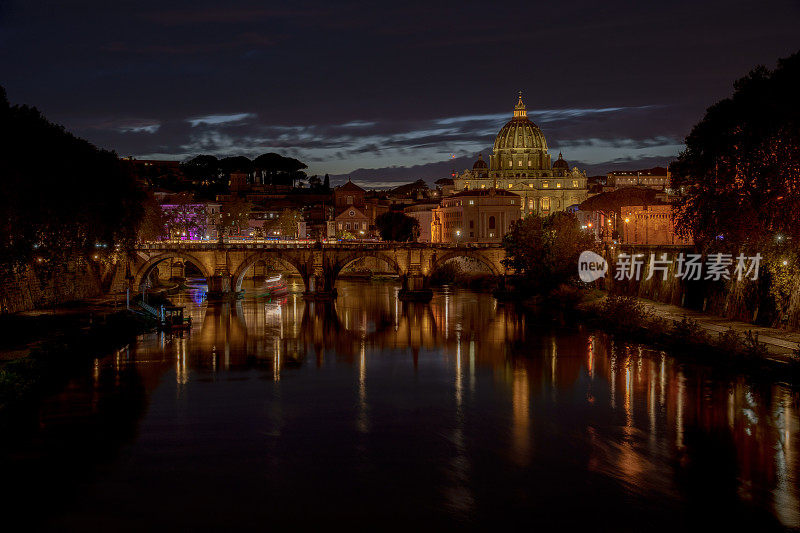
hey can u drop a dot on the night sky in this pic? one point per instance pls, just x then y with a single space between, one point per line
385 93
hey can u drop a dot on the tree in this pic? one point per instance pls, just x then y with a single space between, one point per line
60 196
207 177
738 176
235 164
396 226
181 216
201 168
234 218
287 223
154 221
545 250
314 183
326 184
279 170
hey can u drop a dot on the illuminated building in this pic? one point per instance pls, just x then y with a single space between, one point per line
650 224
520 163
475 215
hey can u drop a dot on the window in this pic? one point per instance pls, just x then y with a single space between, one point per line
347 226
510 163
530 162
352 213
519 163
491 223
545 204
349 200
510 185
574 183
545 184
530 204
512 202
558 185
483 185
471 224
340 225
472 202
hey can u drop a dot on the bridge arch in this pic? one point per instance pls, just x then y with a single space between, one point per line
144 271
344 261
238 276
439 260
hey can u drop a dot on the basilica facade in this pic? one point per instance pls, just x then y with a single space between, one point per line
520 163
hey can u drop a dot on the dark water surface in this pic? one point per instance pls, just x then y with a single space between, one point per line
278 414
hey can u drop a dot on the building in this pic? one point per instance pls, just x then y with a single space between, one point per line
446 186
423 213
352 223
520 163
348 195
366 204
475 215
649 224
654 178
190 220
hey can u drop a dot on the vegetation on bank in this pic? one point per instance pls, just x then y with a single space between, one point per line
626 315
54 360
736 186
543 251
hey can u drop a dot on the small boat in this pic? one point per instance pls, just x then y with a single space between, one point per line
274 287
174 319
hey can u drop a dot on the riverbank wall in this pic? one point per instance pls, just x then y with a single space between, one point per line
33 287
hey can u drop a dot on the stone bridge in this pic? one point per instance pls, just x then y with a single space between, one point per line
224 265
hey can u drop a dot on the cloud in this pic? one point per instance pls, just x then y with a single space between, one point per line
213 120
403 149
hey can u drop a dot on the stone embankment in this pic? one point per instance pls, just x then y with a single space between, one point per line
35 288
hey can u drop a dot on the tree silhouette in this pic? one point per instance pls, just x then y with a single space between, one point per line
739 177
396 226
60 196
545 250
279 170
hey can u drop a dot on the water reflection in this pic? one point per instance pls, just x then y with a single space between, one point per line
461 409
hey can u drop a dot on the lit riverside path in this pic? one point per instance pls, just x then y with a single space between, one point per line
781 344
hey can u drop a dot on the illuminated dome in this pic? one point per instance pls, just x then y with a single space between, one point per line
520 133
560 163
480 163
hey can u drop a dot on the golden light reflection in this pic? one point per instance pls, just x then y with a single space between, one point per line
654 402
362 422
520 402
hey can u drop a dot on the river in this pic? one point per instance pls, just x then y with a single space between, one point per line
372 412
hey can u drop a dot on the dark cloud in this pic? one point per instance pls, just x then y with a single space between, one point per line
384 90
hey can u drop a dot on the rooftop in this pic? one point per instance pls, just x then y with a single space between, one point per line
484 192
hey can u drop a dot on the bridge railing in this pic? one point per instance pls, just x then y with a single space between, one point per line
259 244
